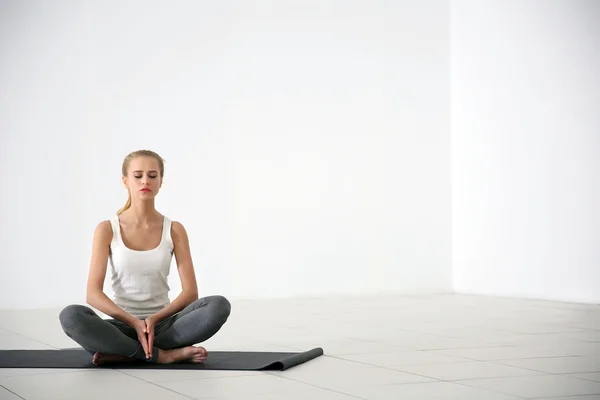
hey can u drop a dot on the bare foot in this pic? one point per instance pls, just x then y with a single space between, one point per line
100 358
188 354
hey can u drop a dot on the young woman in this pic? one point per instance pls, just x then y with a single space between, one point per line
139 244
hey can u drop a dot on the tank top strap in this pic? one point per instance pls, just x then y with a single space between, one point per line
116 227
166 234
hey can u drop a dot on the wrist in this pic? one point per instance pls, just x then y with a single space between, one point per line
130 320
153 318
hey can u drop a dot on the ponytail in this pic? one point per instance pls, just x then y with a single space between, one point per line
127 204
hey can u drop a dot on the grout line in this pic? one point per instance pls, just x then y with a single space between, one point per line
33 340
396 370
541 373
193 379
10 391
316 386
487 390
54 371
576 377
153 384
263 373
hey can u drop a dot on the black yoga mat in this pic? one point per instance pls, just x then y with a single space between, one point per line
217 360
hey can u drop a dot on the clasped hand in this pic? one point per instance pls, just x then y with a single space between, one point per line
145 332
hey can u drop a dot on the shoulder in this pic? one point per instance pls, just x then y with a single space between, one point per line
177 228
178 232
103 231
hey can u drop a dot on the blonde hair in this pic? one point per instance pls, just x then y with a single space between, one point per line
125 169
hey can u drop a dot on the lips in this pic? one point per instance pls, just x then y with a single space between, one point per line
145 190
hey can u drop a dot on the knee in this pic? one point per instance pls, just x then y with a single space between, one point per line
222 306
71 315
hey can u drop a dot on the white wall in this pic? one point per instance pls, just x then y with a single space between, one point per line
307 142
526 148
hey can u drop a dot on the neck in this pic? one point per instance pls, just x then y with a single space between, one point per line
142 212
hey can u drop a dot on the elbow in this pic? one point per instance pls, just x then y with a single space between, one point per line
90 297
192 295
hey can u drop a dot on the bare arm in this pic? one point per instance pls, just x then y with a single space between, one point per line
185 267
95 295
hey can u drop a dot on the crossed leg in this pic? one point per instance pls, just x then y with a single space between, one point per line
112 340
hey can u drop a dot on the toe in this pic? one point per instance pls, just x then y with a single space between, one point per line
201 351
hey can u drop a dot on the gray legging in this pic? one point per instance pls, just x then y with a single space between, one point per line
194 324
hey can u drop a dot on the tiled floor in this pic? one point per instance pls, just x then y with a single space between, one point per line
387 347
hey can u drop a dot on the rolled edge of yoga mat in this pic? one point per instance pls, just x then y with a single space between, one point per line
295 359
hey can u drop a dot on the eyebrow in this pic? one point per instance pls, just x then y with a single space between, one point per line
148 171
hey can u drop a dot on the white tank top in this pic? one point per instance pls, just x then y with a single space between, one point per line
140 277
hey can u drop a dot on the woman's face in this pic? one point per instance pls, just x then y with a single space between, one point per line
143 178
